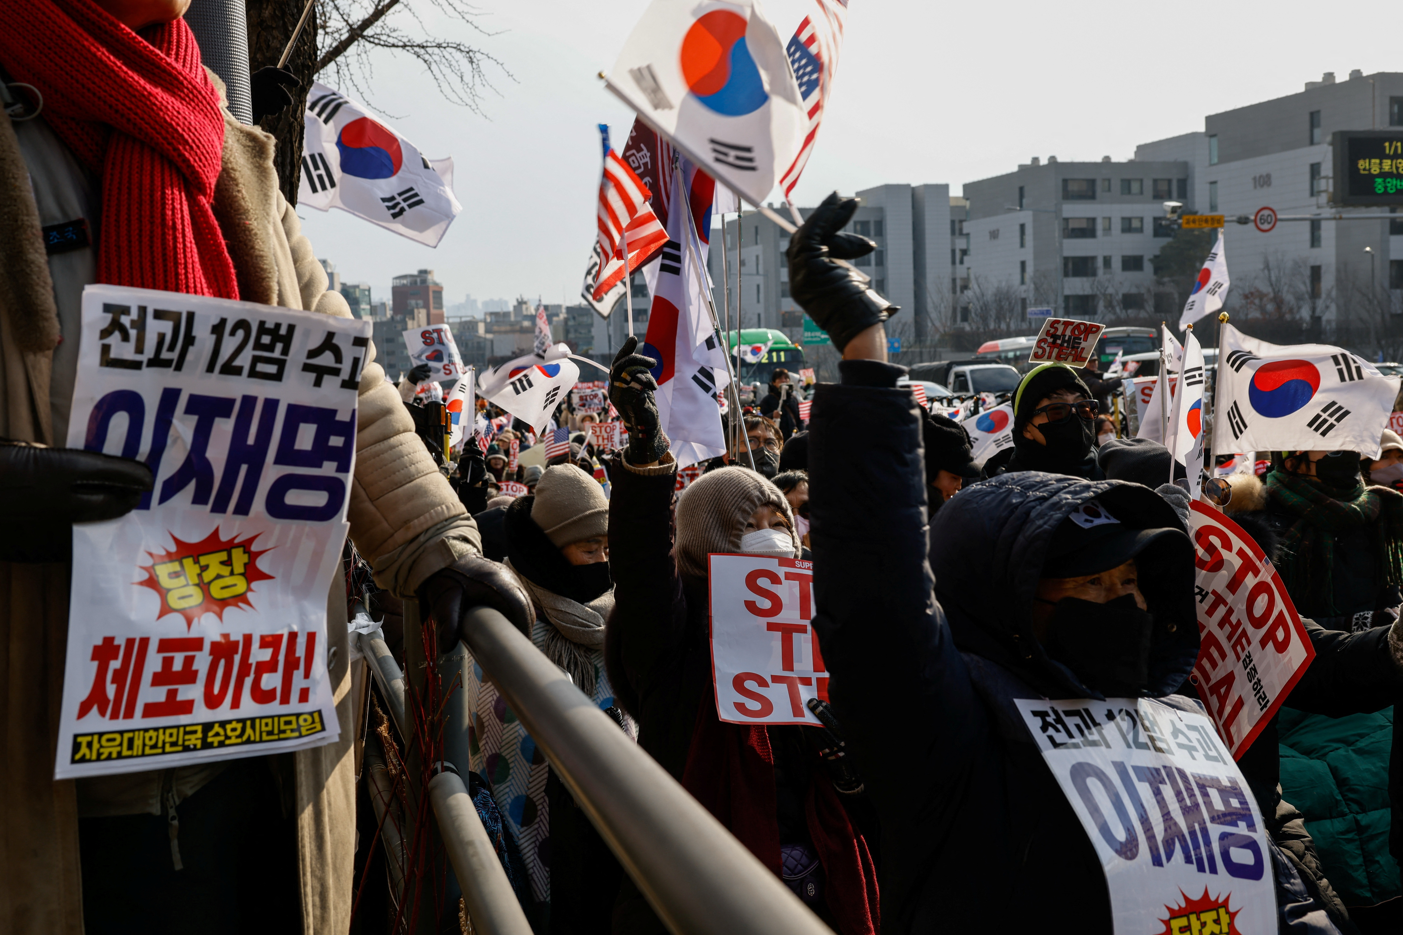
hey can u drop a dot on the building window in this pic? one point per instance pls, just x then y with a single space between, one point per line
1315 128
1106 186
757 293
1022 236
1106 264
953 290
1164 189
1395 228
1132 225
783 259
863 260
1212 196
1079 306
1132 264
1395 274
952 256
952 227
1079 228
791 319
1316 232
1023 272
1213 149
1314 177
1132 301
863 227
757 233
881 258
1105 227
1078 267
1162 228
1020 198
1079 189
963 253
1132 186
1315 280
877 227
1395 111
784 289
1181 189
882 286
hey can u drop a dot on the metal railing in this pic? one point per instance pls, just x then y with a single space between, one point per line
697 877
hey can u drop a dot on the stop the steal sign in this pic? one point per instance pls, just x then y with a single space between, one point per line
765 659
1066 341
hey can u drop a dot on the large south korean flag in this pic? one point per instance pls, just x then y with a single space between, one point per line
714 78
354 162
1300 397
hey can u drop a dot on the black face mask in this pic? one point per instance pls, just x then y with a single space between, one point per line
1106 645
1339 471
766 461
1068 444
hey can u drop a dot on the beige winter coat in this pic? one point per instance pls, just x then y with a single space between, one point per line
405 520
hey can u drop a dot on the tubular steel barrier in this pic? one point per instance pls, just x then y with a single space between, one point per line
492 905
698 878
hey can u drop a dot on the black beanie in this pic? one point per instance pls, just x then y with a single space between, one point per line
947 447
1041 382
795 456
1138 460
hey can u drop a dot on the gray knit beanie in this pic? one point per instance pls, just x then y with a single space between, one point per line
712 513
569 506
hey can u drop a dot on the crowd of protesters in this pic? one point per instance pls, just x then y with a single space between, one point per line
945 589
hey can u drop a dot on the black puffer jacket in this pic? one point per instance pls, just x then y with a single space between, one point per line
976 835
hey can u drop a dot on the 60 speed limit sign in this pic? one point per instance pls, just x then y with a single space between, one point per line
1265 219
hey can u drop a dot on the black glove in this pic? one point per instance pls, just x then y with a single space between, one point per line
44 491
473 581
835 294
271 89
419 374
832 749
631 389
472 465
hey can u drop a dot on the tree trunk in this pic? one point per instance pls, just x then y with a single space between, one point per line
270 26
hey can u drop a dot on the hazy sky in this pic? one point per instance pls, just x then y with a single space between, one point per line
925 92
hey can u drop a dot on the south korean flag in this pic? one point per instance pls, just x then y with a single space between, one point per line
1301 397
354 162
990 432
531 386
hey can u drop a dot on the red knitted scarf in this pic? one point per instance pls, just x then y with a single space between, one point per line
139 111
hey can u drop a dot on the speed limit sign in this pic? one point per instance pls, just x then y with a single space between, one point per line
1265 219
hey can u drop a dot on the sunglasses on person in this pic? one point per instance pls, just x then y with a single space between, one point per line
1085 410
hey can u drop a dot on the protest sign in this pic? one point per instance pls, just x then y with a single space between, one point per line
806 376
1065 341
1168 812
197 622
1254 647
686 475
765 659
513 454
511 488
435 346
606 436
1395 422
588 400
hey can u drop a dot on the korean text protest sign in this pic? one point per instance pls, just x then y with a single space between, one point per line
1065 341
1171 817
197 626
765 658
435 346
1255 648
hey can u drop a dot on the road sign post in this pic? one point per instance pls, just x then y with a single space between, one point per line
1201 221
1040 312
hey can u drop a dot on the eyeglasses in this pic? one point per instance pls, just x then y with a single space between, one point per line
771 443
1061 412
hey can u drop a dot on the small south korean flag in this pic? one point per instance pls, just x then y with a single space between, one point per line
531 386
990 432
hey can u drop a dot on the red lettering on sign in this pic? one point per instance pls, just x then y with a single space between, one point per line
265 667
1278 634
792 682
765 706
1212 647
752 582
1208 538
786 645
1248 564
1261 590
222 654
806 600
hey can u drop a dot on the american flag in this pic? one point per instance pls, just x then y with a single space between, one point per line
624 215
813 54
805 405
920 393
558 444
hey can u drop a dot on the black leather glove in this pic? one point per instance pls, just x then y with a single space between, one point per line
419 374
631 389
836 296
271 89
44 491
473 581
472 465
832 750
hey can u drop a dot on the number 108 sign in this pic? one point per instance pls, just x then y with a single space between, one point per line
765 657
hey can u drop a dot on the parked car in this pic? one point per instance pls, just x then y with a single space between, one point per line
973 375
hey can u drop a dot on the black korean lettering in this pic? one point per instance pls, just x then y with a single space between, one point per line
327 348
271 345
128 329
177 341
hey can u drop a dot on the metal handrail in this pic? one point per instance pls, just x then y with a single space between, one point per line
492 905
698 878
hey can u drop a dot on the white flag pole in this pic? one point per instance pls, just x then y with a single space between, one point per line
628 285
1163 386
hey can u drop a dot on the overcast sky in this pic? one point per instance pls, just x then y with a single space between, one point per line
925 92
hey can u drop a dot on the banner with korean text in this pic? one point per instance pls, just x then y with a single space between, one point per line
1171 817
1254 647
197 622
765 658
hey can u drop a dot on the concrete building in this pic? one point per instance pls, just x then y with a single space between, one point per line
418 290
388 334
357 296
914 263
1076 236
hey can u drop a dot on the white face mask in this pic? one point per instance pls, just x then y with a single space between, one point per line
1387 474
1102 439
803 525
773 541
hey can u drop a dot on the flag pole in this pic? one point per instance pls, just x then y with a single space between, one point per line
628 285
731 440
1163 387
296 33
1172 430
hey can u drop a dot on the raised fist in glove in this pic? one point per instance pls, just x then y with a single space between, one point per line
836 296
418 374
44 491
270 90
472 581
631 390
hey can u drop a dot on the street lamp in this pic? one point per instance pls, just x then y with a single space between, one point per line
1373 279
1057 229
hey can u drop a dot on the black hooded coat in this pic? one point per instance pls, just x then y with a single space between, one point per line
976 833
